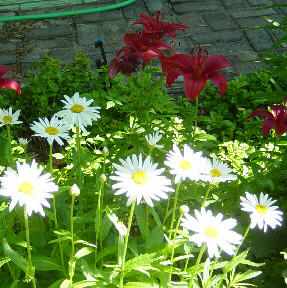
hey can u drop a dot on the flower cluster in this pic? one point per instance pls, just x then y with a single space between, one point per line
276 119
145 45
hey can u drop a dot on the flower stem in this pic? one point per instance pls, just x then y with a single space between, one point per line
99 221
146 226
79 160
126 244
29 248
235 253
174 208
54 208
195 120
11 160
196 265
172 249
72 263
206 195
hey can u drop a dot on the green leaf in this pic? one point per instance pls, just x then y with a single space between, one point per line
14 256
66 284
44 263
140 216
4 260
244 276
56 284
87 283
83 252
120 226
138 285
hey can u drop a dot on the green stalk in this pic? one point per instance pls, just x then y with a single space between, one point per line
146 225
235 253
172 249
11 160
196 265
99 221
28 245
174 208
167 205
71 262
212 268
126 245
206 195
78 145
54 208
195 120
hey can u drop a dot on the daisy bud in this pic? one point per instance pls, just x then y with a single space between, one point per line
23 141
184 209
103 178
105 151
75 191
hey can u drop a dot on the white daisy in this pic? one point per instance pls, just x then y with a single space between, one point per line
218 172
152 139
54 129
140 179
28 187
77 111
262 211
7 117
191 164
212 231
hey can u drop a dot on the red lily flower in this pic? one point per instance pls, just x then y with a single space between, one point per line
8 82
277 119
125 64
167 64
197 71
140 42
157 28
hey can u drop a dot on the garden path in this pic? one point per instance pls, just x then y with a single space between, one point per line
219 25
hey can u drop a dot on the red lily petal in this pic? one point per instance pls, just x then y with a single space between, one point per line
4 70
172 27
214 63
280 128
219 80
171 76
159 44
193 86
185 62
267 124
114 67
149 54
261 112
10 83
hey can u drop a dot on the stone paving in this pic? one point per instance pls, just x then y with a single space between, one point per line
219 25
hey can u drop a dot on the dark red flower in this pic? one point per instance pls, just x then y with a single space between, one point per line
166 64
141 42
156 28
125 64
8 82
197 71
139 49
277 119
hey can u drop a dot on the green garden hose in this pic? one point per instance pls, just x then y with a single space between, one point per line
68 13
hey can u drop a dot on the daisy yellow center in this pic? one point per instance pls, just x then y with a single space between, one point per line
140 178
26 188
210 232
185 165
215 173
7 119
51 130
77 108
261 209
